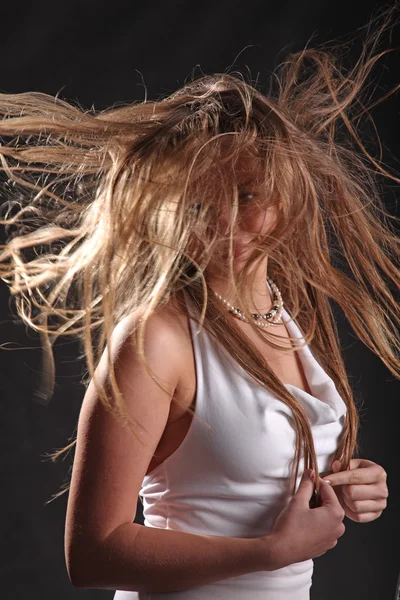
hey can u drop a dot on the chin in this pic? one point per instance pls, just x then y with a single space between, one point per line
240 251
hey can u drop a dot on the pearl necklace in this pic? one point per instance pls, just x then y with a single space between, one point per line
271 318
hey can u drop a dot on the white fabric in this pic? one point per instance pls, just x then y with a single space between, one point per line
230 475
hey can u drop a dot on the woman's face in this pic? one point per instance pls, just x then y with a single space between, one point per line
255 216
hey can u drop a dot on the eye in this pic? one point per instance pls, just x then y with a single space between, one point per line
246 196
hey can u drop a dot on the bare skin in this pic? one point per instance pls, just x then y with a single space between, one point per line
109 466
252 221
286 366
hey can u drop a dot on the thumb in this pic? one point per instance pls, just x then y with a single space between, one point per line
327 493
306 486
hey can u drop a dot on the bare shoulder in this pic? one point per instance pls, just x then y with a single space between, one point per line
167 326
168 331
110 463
167 349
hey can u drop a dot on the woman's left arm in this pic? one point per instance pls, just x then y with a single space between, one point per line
361 490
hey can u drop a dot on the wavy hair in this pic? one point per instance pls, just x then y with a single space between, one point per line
116 212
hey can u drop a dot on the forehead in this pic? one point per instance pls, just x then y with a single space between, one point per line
248 169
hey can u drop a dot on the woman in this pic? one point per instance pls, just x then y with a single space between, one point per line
190 243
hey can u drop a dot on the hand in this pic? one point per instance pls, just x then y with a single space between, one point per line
301 532
361 490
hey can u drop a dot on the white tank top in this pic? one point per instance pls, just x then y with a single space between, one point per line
230 475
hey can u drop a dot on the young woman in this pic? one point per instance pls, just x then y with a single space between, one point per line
193 243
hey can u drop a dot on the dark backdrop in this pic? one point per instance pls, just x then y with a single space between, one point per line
102 52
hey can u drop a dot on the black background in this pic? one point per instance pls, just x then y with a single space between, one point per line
99 53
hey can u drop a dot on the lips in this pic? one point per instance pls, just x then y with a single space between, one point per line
238 250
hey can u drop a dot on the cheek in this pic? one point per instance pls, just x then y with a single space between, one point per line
260 222
252 220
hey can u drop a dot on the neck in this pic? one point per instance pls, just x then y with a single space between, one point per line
258 297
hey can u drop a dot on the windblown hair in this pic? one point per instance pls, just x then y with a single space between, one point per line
120 211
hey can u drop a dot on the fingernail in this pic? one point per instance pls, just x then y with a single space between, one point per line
328 481
312 476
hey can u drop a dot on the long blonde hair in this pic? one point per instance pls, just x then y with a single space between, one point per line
120 210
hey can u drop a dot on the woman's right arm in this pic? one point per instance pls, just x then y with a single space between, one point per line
104 548
139 558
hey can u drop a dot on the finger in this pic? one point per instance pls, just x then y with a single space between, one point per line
360 476
364 492
323 496
362 517
327 493
365 506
